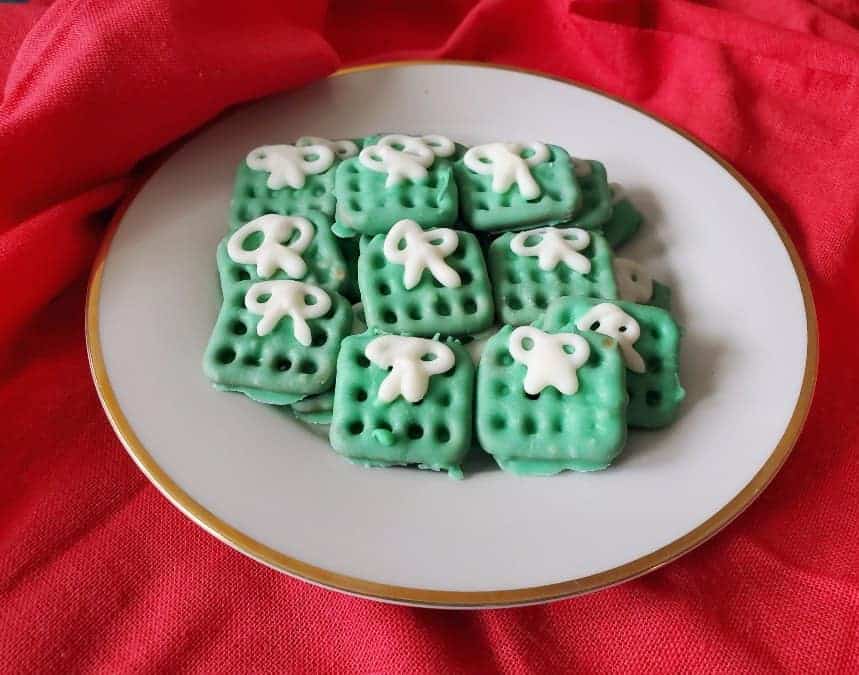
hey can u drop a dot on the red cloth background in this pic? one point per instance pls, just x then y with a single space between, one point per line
99 573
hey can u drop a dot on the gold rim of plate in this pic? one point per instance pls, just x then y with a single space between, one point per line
420 596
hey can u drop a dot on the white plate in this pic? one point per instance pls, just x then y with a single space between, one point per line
274 490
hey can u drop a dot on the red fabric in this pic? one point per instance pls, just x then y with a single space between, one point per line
99 573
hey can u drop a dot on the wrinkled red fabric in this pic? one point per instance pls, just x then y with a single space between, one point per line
99 573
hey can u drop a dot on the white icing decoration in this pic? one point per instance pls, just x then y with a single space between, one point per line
633 281
288 298
611 320
581 167
618 194
411 161
412 362
289 165
416 249
554 245
273 253
504 162
343 149
549 364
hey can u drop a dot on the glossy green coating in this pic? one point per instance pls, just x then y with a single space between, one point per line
366 206
253 198
655 395
596 197
433 434
316 409
523 291
274 368
429 308
661 296
623 224
325 265
485 210
551 432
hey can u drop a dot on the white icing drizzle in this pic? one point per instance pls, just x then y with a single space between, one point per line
412 362
273 253
343 149
289 165
618 194
552 358
609 319
405 157
554 245
505 163
633 281
581 167
416 249
288 298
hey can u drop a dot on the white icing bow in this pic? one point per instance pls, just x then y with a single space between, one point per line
412 362
276 250
505 163
343 149
297 300
552 359
554 245
405 157
289 165
609 319
416 249
633 282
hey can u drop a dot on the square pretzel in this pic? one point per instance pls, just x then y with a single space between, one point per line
430 308
324 262
365 205
655 394
523 290
549 432
486 210
434 433
253 197
275 368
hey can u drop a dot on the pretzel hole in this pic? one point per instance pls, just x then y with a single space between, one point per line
226 355
514 303
362 361
383 289
595 326
319 338
282 364
466 277
406 202
505 359
470 306
654 365
252 361
442 434
414 431
501 389
242 275
308 367
442 308
388 316
378 261
414 312
497 422
360 394
444 397
529 426
238 328
356 427
653 397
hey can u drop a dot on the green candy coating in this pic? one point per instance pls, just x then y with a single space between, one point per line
273 368
523 290
655 395
325 265
366 206
551 432
596 197
433 434
429 308
483 209
316 409
623 224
